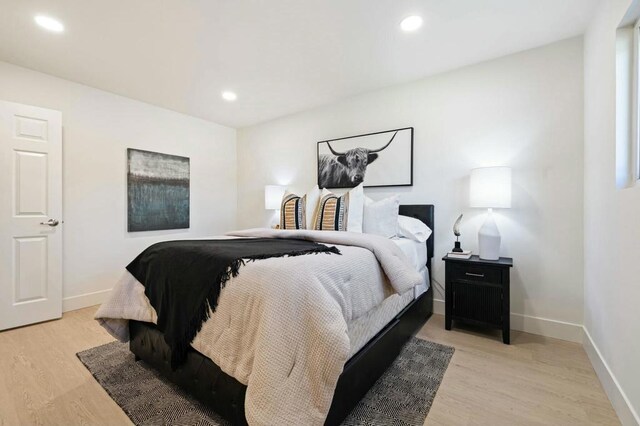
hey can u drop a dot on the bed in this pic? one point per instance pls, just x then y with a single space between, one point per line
374 347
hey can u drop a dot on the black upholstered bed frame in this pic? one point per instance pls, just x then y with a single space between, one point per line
203 379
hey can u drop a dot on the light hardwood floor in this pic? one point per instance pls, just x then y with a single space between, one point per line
535 380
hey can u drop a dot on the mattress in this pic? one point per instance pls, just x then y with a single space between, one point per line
362 329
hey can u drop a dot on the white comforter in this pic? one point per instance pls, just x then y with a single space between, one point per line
280 326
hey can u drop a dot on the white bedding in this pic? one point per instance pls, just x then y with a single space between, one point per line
366 326
281 325
416 252
363 329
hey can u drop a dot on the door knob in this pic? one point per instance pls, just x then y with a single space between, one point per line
50 222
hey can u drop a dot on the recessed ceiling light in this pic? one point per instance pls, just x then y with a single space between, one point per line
49 23
411 23
229 96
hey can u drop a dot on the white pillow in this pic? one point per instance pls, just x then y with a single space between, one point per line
313 196
381 217
354 206
356 209
413 229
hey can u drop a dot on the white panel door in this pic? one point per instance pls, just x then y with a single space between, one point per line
30 215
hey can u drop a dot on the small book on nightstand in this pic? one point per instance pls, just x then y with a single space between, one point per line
465 254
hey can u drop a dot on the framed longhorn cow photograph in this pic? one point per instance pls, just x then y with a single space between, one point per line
377 159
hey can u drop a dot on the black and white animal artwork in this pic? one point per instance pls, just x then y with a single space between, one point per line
377 159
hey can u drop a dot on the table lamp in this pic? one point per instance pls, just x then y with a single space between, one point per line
273 201
273 196
490 187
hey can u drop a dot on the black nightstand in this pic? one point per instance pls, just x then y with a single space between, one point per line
477 292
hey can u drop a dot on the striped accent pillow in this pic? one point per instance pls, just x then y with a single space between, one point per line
292 212
332 213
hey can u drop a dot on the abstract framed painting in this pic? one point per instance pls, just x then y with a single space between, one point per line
158 187
375 159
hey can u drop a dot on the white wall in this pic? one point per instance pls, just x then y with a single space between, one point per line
524 111
98 127
611 227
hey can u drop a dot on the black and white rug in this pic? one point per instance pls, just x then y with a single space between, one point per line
402 396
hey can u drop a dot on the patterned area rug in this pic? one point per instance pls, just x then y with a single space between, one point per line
402 396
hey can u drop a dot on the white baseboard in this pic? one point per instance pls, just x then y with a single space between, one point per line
626 413
438 306
84 300
547 327
535 325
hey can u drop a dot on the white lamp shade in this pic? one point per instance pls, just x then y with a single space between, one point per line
490 187
273 196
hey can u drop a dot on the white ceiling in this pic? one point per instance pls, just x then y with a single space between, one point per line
279 56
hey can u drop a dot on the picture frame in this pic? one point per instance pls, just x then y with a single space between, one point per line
378 159
158 191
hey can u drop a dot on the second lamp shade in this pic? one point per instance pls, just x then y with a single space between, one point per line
490 187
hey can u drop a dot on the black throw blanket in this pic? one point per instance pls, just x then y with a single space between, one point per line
183 279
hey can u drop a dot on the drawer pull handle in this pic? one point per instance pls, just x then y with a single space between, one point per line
474 275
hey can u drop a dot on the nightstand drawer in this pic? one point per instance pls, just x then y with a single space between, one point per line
476 273
477 303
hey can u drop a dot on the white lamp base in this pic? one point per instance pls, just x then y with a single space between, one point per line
275 220
489 239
